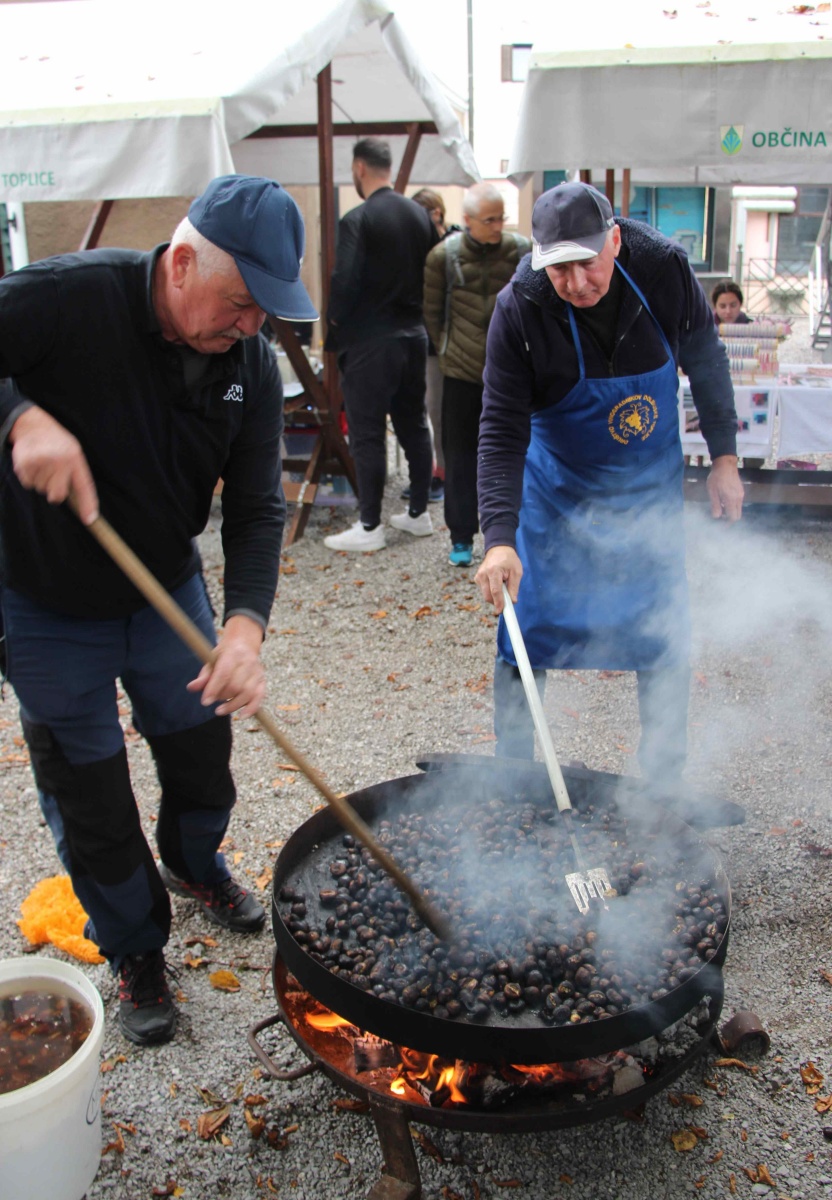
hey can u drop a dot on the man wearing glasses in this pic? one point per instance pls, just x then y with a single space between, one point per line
463 276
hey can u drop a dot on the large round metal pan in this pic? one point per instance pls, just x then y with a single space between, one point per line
303 864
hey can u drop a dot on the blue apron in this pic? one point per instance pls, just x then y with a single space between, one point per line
601 535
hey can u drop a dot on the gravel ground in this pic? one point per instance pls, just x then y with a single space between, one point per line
364 685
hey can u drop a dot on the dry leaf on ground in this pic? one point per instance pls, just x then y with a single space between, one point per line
683 1140
209 1124
224 981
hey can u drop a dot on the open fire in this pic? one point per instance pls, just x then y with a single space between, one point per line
430 1079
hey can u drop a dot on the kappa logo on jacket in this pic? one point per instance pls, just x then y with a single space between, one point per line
235 392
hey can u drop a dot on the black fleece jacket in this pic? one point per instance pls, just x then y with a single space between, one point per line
531 362
159 425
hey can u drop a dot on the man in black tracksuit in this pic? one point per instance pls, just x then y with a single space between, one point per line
376 325
134 382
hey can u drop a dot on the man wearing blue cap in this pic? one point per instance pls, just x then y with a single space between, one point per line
133 382
580 463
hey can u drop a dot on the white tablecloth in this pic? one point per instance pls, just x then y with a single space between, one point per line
805 421
804 411
756 408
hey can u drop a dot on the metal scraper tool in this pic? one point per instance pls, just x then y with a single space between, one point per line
587 883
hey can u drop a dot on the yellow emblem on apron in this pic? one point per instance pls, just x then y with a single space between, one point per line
634 417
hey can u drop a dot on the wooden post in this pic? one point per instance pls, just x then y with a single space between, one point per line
96 226
414 136
586 175
609 186
625 193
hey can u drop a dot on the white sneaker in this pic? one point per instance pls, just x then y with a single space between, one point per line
421 526
357 538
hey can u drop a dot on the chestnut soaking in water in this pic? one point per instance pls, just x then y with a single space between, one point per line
39 1032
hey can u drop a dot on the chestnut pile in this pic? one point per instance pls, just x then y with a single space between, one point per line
520 945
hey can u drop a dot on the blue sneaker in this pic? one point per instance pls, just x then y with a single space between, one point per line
436 493
461 554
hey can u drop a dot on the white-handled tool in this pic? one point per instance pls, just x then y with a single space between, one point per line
587 883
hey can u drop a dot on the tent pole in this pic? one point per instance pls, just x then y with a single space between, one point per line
414 136
95 228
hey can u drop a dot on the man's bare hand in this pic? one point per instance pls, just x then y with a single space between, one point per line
48 459
725 489
236 677
500 565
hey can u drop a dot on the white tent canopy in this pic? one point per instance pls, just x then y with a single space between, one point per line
684 91
101 100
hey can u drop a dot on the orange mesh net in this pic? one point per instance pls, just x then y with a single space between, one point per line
53 913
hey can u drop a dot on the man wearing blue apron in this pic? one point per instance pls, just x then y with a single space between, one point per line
580 463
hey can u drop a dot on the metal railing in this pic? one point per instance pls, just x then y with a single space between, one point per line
819 281
776 287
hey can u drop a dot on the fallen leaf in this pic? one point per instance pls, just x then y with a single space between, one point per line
128 1127
256 1125
351 1104
287 707
226 1140
692 1100
824 1104
735 1062
566 1179
224 981
209 1124
448 1194
342 1158
776 831
763 1175
192 960
291 1129
428 1146
732 1184
117 1145
185 1125
507 1182
380 615
683 1140
751 1172
827 975
424 610
208 1097
810 1075
261 882
716 1157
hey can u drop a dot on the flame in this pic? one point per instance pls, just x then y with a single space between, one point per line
326 1020
398 1086
448 1078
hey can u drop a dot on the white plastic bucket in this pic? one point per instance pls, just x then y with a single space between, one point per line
50 1131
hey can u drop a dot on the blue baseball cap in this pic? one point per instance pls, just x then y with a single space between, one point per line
570 223
258 223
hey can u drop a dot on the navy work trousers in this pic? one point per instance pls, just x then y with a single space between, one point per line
64 671
663 697
379 376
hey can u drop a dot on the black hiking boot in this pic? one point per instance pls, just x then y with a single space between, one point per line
146 1014
227 903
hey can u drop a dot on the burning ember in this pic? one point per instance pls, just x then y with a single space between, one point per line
430 1079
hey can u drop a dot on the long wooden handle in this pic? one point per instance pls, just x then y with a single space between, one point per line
182 625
